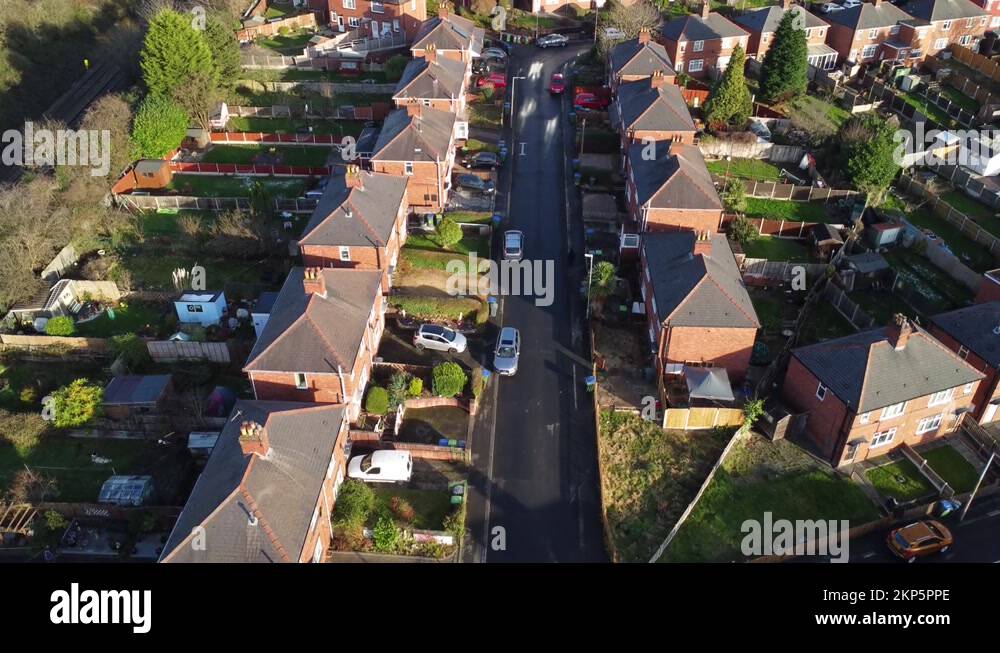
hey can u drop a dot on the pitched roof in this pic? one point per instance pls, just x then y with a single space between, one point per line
868 262
766 19
356 216
866 372
307 332
635 58
450 32
641 106
675 179
977 327
441 79
258 508
136 389
696 290
868 16
696 28
409 138
935 10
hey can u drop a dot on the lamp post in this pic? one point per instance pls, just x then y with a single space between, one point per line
513 106
590 278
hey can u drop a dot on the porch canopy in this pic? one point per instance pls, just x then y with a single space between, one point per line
711 383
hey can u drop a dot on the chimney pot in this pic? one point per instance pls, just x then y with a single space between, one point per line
313 282
703 244
706 9
442 10
657 80
253 439
786 4
352 177
898 331
644 36
430 54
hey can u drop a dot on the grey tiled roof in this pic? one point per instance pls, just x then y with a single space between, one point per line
867 373
701 290
643 107
136 389
696 28
449 33
868 262
766 20
307 332
676 179
868 16
976 328
634 58
407 138
280 490
356 216
935 10
442 79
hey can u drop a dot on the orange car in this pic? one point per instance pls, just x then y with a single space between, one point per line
919 539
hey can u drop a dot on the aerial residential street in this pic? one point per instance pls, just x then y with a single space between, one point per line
534 449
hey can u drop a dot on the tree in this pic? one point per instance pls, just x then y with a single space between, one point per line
867 153
753 409
449 233
221 40
449 379
173 53
239 235
199 97
77 403
730 104
111 112
132 349
784 72
394 67
734 195
386 535
377 401
602 282
628 20
742 231
61 325
159 128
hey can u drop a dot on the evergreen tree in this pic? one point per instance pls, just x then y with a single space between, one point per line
784 73
729 102
173 53
158 128
221 40
868 150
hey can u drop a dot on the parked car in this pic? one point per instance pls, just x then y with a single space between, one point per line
382 466
472 182
432 336
552 41
557 85
830 8
508 351
484 159
486 66
919 539
513 245
494 53
498 80
591 101
847 4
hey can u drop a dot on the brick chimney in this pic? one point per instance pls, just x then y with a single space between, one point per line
703 244
313 282
898 331
353 177
443 10
644 35
706 9
657 80
414 110
430 54
253 439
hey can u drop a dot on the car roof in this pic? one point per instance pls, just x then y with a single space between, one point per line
431 328
917 532
390 460
507 334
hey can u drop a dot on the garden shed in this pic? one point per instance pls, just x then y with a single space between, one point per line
127 396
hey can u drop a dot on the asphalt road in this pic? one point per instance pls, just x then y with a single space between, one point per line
534 491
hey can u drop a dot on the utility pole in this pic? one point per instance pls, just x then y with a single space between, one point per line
590 278
978 483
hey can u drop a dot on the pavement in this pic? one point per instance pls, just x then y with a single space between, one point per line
534 489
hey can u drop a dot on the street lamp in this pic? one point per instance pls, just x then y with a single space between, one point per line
513 105
590 278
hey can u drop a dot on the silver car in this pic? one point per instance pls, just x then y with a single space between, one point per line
513 245
432 336
494 53
508 352
552 41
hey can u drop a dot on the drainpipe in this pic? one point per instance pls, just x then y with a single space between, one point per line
343 387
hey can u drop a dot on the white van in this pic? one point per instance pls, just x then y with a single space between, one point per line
382 467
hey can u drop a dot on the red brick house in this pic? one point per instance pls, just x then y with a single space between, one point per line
433 81
649 110
949 21
637 59
319 339
992 7
702 44
268 490
763 23
359 223
374 18
974 334
453 36
698 310
419 142
872 391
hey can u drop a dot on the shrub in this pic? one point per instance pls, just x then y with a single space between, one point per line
742 230
399 386
416 387
22 430
402 509
449 234
478 382
29 395
54 521
377 401
386 535
449 379
77 403
355 503
61 325
734 195
753 410
454 523
131 348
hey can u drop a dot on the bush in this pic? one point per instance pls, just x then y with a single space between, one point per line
22 430
355 503
742 231
131 348
29 395
416 387
734 195
377 401
753 410
399 386
386 535
402 509
449 234
54 521
61 325
478 382
77 403
449 379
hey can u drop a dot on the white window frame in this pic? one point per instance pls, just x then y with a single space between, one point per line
314 520
873 33
945 26
301 382
408 168
881 439
869 51
696 69
630 238
821 391
995 22
352 21
967 390
350 4
698 46
965 40
942 397
970 22
940 44
345 253
925 425
963 352
894 30
893 411
866 417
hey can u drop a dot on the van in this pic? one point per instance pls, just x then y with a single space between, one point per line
382 466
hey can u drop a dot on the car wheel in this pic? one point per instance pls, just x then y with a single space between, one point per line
419 346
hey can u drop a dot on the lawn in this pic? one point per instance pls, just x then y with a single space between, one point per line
649 476
288 44
973 208
151 270
824 323
745 169
900 480
438 308
959 98
471 217
936 290
300 155
430 506
476 145
929 110
777 249
231 186
972 253
770 311
44 376
757 477
294 125
816 115
482 114
469 244
135 317
952 467
785 210
309 75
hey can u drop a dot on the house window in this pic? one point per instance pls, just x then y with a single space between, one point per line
894 30
963 352
345 253
894 410
995 22
352 21
378 7
942 397
699 46
630 241
822 33
929 424
967 390
882 439
866 417
695 66
408 167
946 25
300 381
652 334
350 4
195 308
395 25
970 22
965 40
869 51
873 33
312 522
333 465
940 44
821 392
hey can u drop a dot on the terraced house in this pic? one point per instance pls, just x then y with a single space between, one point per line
454 37
874 31
702 44
359 223
435 82
763 23
638 59
974 334
374 18
869 392
944 22
651 110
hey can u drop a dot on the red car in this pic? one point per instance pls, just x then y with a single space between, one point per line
557 85
594 99
498 80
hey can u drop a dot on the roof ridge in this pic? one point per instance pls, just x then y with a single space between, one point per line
364 222
687 296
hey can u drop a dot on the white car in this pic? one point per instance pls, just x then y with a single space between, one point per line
432 336
382 466
831 7
847 4
513 245
552 41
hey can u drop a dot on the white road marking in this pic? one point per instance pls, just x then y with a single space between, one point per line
523 144
536 70
993 513
870 554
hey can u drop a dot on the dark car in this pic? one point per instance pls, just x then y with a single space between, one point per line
487 160
474 183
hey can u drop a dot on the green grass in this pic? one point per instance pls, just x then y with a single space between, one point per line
430 506
483 114
466 246
476 217
426 260
153 270
476 145
786 210
816 115
824 323
900 480
959 98
17 373
293 125
289 44
279 155
881 305
309 75
952 467
777 249
933 284
279 10
213 186
972 208
745 169
437 308
135 317
769 311
972 253
930 110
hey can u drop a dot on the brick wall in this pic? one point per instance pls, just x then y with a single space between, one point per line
729 348
710 54
988 389
422 192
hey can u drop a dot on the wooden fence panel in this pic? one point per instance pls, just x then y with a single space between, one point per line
171 350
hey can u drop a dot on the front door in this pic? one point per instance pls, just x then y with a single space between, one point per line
340 23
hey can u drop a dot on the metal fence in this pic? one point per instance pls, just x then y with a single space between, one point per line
148 202
167 351
247 169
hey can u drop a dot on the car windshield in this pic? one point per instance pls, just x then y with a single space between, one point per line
513 242
902 541
448 334
366 463
505 351
432 330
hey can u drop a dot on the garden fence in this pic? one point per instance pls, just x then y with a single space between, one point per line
168 351
941 208
331 89
780 271
981 89
776 228
65 259
848 308
170 202
239 138
716 148
250 169
701 418
942 486
275 26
